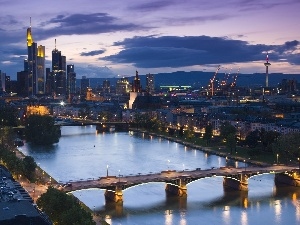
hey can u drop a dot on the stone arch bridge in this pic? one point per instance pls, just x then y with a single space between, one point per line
177 181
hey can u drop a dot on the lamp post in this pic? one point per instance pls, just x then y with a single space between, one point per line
245 164
277 158
107 170
183 167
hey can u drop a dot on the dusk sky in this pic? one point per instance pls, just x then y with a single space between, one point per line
118 37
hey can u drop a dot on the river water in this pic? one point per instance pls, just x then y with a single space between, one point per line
82 153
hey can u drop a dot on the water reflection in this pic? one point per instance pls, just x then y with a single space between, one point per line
75 158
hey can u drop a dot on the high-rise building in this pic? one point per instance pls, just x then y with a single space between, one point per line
50 82
84 84
22 83
106 86
123 86
59 71
150 84
7 84
2 81
35 65
71 80
40 70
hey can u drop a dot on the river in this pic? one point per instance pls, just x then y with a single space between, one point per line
82 153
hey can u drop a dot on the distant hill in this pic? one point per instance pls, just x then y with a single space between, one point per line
199 78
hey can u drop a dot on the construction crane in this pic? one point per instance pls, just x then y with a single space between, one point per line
233 84
226 78
211 82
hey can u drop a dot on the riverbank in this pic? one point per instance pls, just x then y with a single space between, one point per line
216 150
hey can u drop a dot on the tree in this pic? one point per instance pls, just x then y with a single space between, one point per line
63 209
41 130
252 139
8 116
231 142
226 129
29 166
287 146
208 133
268 138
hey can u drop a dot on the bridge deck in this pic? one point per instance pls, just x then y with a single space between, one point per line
168 176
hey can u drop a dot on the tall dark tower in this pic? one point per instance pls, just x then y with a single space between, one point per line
267 64
59 71
136 86
71 81
32 59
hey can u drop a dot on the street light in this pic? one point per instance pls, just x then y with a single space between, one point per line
245 164
107 170
277 158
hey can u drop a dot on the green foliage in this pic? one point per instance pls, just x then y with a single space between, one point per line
8 116
287 146
231 142
268 138
41 130
252 139
226 129
29 166
63 209
208 133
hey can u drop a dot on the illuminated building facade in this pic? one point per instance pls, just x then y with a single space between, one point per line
123 86
150 84
35 66
40 70
59 72
71 80
106 86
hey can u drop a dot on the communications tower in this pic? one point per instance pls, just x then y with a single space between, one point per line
267 64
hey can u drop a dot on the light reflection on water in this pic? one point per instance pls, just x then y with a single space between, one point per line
82 153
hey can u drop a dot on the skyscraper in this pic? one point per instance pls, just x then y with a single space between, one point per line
40 70
71 81
150 83
59 71
85 83
35 66
106 86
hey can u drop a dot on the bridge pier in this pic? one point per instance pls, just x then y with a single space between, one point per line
114 194
177 187
287 179
238 182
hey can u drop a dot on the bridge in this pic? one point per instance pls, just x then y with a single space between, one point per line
100 126
177 181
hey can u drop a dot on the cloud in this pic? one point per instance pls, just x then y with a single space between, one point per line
81 24
151 6
92 71
174 51
92 53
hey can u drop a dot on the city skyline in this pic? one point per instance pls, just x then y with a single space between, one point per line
106 39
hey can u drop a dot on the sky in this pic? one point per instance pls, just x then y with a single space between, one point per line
118 37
